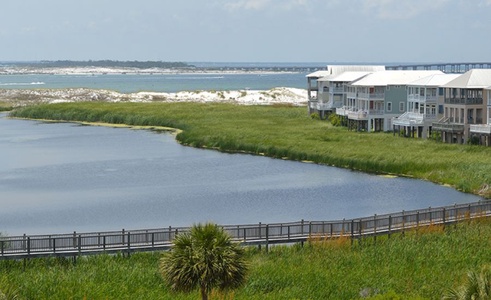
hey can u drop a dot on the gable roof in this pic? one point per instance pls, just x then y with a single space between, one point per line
335 70
345 76
318 74
475 78
392 77
434 80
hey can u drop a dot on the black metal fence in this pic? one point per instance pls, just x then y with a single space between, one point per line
74 244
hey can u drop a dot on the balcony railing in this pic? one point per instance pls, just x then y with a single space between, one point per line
371 96
337 90
358 115
483 128
343 111
446 124
464 101
418 98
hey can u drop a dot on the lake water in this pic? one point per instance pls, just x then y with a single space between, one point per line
61 177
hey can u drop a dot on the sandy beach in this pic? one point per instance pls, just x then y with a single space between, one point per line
280 95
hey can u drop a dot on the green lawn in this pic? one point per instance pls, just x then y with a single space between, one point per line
420 264
287 132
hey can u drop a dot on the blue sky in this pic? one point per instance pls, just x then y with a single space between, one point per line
247 30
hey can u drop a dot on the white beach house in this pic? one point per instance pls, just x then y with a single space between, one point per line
326 88
465 104
483 131
376 98
424 105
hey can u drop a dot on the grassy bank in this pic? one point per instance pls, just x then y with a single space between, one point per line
287 132
417 264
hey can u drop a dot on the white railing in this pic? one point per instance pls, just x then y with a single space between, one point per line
371 96
483 128
358 115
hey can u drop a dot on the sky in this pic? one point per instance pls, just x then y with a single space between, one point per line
334 31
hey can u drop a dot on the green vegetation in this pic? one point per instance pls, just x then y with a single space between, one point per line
103 64
287 132
423 264
477 286
5 106
204 258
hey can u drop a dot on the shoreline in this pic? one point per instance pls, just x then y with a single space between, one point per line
278 95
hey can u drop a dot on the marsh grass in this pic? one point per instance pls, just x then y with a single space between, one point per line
419 264
287 132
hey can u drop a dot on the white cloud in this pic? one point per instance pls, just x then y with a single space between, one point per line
397 9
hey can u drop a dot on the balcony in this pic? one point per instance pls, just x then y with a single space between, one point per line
336 90
343 111
371 96
409 119
422 99
447 126
324 105
483 128
358 115
464 101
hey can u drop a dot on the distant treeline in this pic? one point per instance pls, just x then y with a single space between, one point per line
107 64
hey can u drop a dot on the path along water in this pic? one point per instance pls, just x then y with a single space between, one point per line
62 177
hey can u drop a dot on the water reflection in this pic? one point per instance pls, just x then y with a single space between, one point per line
59 177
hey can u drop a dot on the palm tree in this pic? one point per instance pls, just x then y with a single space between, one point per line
477 287
204 258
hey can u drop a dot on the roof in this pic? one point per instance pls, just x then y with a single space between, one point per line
339 69
345 77
335 70
434 80
393 77
318 74
475 78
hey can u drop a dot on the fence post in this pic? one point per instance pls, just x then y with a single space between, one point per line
1 243
74 239
352 231
28 245
122 237
245 238
375 228
153 239
79 243
429 210
260 235
417 220
301 232
403 222
129 244
390 225
54 244
104 242
267 238
444 215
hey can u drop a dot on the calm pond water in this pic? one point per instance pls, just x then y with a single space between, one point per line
61 177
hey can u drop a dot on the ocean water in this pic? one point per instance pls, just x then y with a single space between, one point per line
169 83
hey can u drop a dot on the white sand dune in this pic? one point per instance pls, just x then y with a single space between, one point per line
280 95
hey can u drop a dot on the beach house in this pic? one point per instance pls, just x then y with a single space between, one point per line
482 132
465 104
424 106
373 100
327 88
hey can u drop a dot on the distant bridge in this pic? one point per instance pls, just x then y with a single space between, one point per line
444 67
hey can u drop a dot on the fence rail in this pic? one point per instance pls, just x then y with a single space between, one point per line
74 244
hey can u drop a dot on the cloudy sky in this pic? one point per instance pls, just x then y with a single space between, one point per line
247 30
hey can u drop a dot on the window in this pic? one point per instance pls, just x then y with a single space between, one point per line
440 109
389 106
401 106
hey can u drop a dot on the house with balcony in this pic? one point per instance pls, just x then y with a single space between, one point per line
482 132
424 106
372 101
465 104
326 88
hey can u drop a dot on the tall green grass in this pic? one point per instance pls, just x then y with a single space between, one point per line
421 264
287 132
